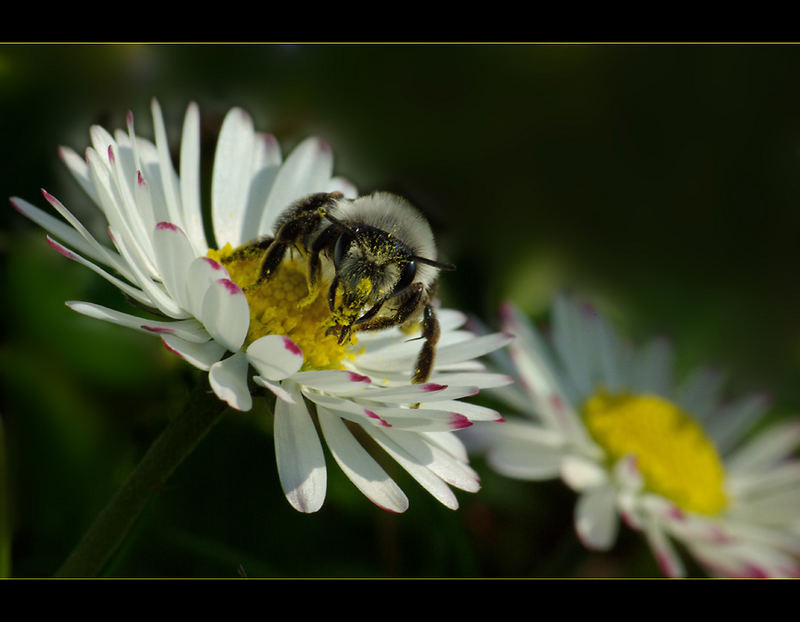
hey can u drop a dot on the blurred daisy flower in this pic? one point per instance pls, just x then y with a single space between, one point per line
669 459
160 258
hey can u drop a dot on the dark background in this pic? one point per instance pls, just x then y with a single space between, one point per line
659 181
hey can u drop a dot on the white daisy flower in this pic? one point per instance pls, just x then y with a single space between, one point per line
160 258
671 460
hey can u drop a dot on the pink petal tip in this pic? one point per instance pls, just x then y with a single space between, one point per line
373 415
157 329
167 226
233 288
459 422
665 563
215 265
354 377
291 345
60 249
47 196
173 350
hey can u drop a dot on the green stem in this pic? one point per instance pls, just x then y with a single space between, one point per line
176 442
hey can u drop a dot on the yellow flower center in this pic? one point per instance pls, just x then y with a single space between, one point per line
675 457
283 305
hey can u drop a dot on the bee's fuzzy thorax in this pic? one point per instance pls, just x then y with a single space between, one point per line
397 217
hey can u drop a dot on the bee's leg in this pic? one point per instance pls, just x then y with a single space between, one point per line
254 247
325 240
342 329
373 310
332 292
403 312
430 336
301 219
430 331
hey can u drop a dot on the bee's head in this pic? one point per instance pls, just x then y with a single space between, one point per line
371 265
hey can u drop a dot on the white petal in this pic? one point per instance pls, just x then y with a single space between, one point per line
627 474
765 450
727 426
225 313
339 184
449 442
418 449
652 369
203 271
609 354
154 290
428 393
275 388
269 148
520 430
699 393
190 330
125 183
301 462
307 170
150 173
401 356
766 482
116 209
477 379
780 507
429 480
471 349
337 381
174 254
230 183
265 167
525 461
668 559
96 250
548 396
418 420
169 178
359 466
228 378
190 180
473 412
80 171
580 473
80 240
596 520
129 290
201 355
143 198
570 341
275 357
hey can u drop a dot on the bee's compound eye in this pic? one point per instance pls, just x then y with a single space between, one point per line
341 248
406 277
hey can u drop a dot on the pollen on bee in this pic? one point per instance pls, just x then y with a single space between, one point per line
283 305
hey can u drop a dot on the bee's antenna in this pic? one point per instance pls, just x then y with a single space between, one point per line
435 264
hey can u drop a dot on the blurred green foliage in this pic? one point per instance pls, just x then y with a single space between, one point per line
661 181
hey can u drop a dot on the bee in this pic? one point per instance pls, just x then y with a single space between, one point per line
382 256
